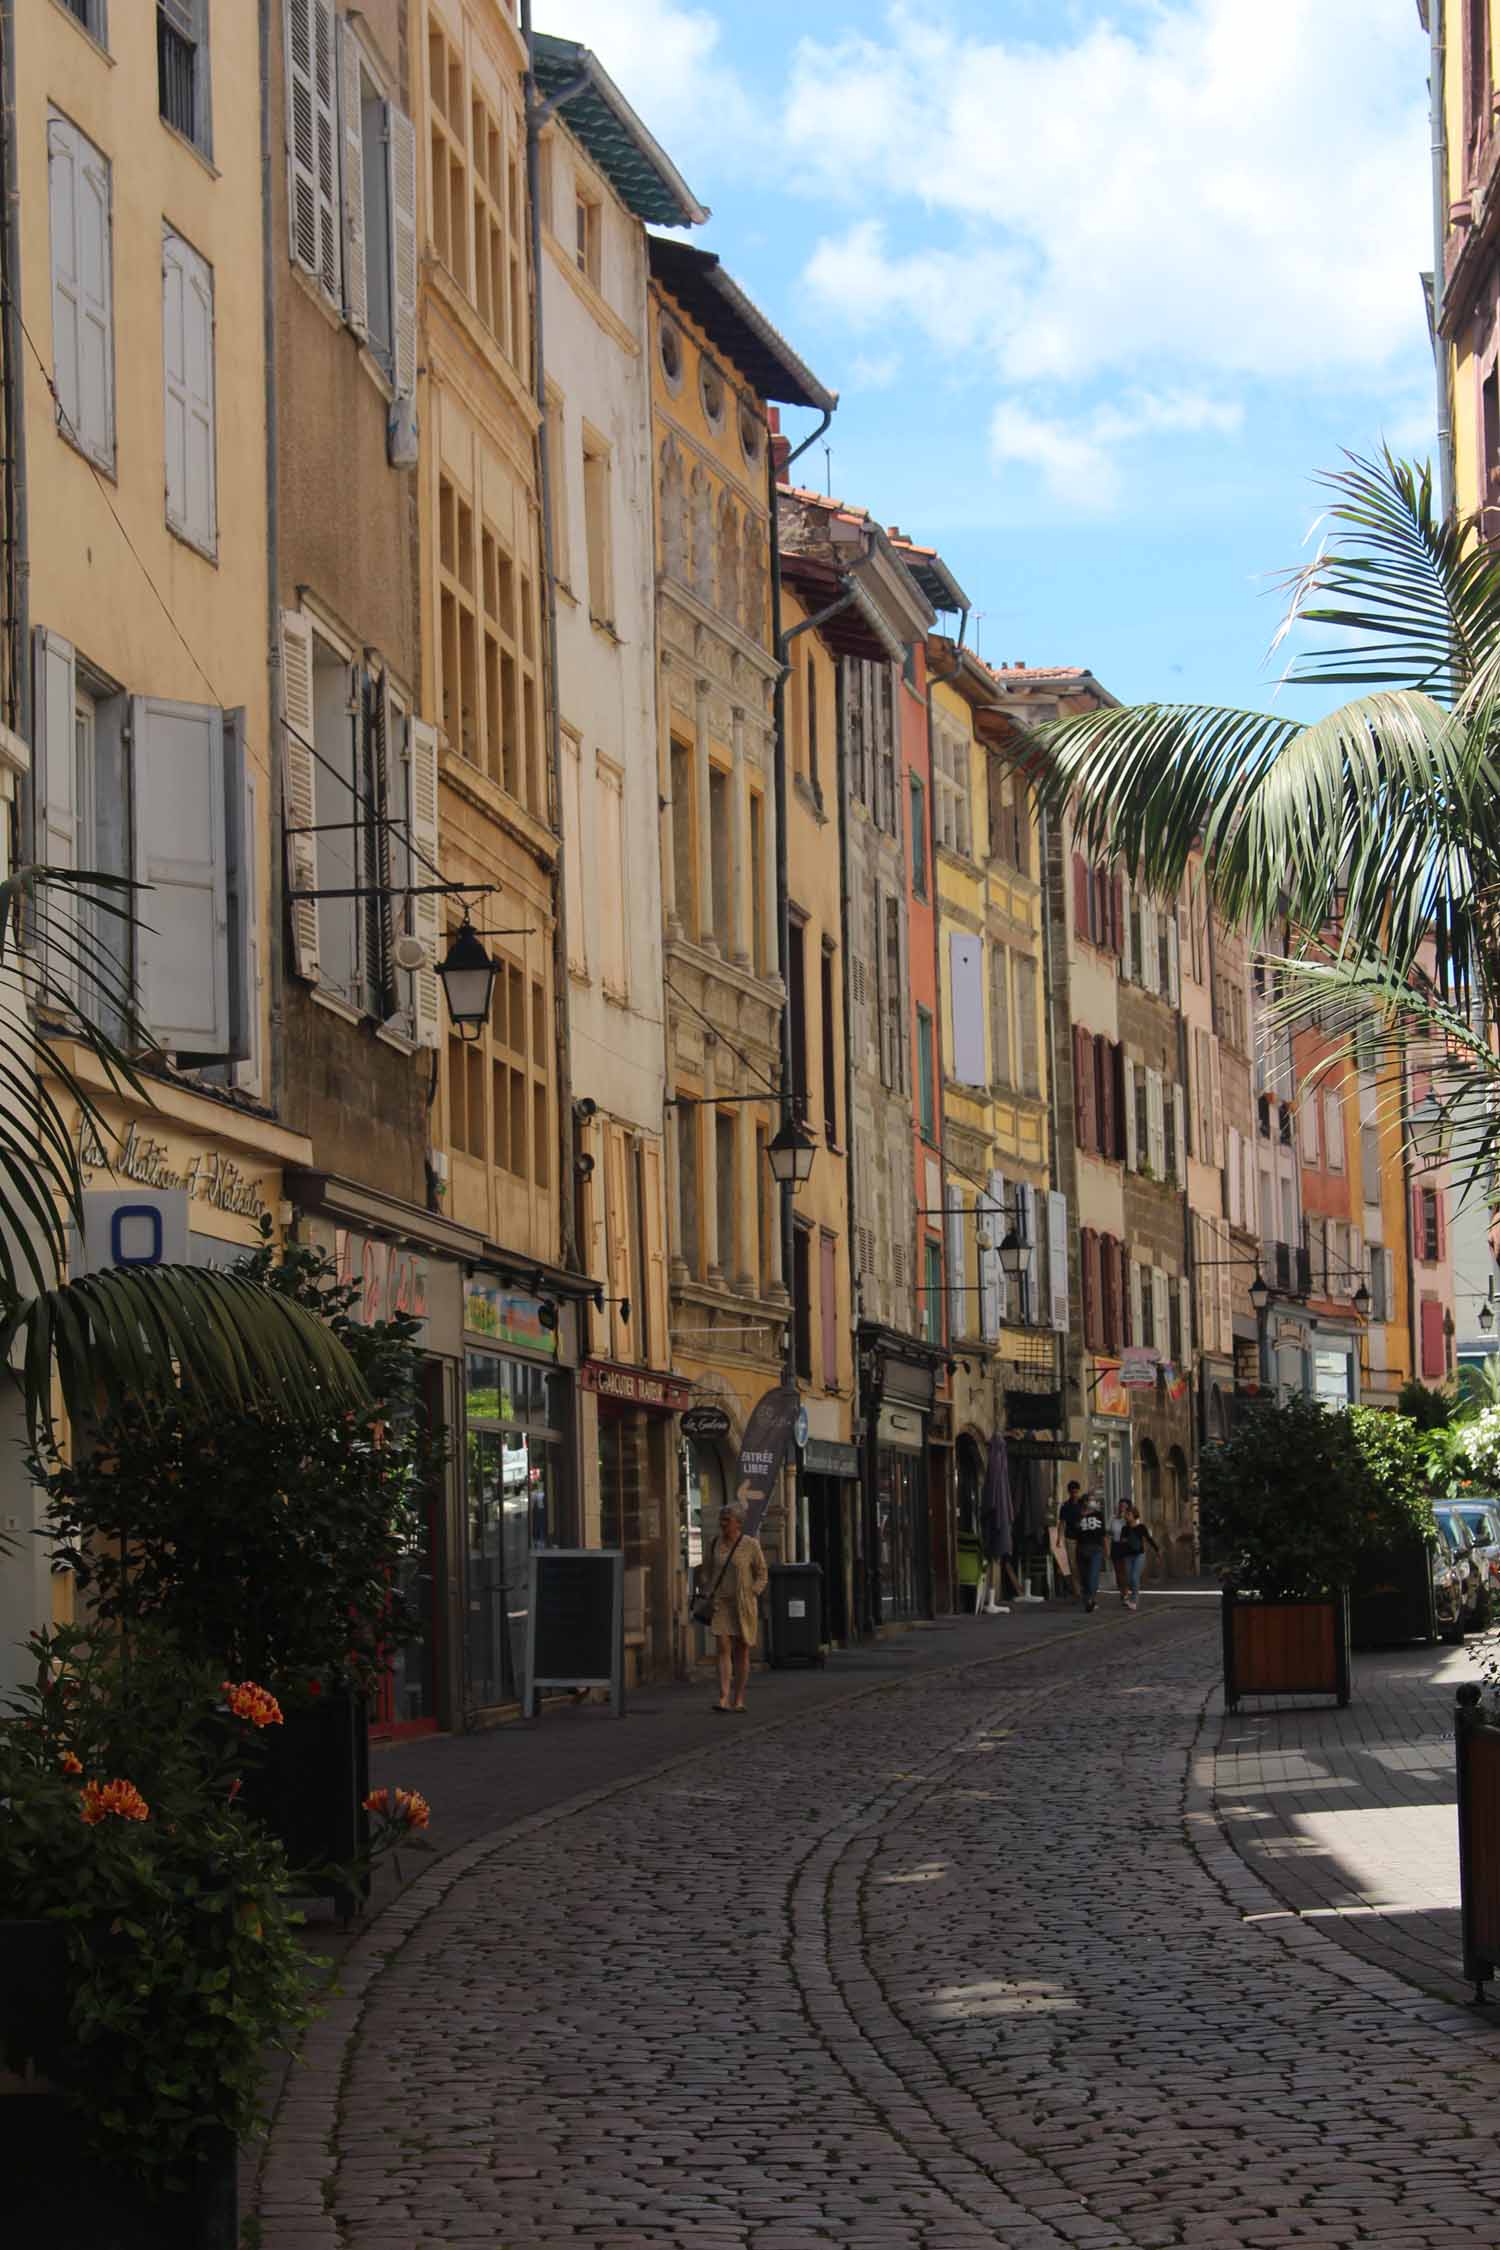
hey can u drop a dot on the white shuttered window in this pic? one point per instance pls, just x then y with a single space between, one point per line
312 143
83 353
187 311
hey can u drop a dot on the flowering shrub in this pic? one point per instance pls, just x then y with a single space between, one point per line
253 1704
403 1810
118 1780
1476 1451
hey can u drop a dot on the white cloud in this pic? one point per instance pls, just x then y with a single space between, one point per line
875 371
668 62
1079 460
1236 186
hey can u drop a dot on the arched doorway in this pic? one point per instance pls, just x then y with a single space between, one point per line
1150 1500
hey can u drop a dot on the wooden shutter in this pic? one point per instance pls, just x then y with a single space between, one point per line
1433 1366
1414 1222
1127 950
78 187
1088 1281
299 790
187 293
656 1253
1216 1103
55 795
1104 1066
182 941
401 148
1080 896
1161 1306
1127 1310
425 916
1150 952
1137 1319
1174 965
1117 1073
992 1217
1057 1258
352 166
998 1224
1115 917
1232 1181
1132 1143
955 1221
966 1007
1026 1024
1179 1130
1109 1292
312 141
240 813
1026 1196
1000 1016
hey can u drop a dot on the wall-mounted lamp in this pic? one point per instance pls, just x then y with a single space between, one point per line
468 979
791 1153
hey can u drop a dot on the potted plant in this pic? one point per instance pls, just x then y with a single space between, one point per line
148 1954
269 1548
1391 1591
1476 1741
1286 1500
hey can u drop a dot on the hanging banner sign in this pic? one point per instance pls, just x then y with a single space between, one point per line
1042 1449
1138 1364
763 1449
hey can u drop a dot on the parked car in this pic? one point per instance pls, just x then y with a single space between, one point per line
1447 1590
1474 1598
1481 1515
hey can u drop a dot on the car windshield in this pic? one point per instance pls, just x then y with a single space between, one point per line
1453 1531
1481 1525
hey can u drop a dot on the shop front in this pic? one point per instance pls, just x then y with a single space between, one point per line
520 1489
1110 1469
898 1391
830 1483
635 1413
399 1259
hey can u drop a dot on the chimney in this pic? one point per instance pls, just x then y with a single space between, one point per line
781 447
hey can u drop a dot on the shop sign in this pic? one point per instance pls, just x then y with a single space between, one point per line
1042 1449
1110 1396
633 1386
826 1457
1033 1410
705 1422
135 1227
208 1177
1138 1365
763 1449
389 1279
508 1316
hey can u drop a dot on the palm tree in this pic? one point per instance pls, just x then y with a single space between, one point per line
129 1335
1371 835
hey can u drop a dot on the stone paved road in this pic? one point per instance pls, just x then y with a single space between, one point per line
965 1962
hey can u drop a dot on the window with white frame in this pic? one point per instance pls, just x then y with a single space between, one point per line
83 344
352 186
187 317
135 785
608 863
361 818
94 17
950 773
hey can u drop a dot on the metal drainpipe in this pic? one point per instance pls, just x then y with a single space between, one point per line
1054 1156
936 680
784 921
15 396
1412 1324
1437 65
276 949
566 1134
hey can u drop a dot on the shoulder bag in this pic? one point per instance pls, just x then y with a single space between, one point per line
701 1609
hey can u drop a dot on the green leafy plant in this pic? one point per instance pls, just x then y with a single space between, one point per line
1426 1406
119 1771
1397 1467
158 1335
268 1545
1286 1500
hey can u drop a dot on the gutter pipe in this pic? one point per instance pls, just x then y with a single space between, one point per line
1437 65
277 906
18 712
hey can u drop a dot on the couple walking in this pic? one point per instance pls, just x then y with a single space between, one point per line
1086 1530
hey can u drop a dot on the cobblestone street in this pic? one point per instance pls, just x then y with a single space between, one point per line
967 1960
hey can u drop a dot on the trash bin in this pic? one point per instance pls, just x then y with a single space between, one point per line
794 1613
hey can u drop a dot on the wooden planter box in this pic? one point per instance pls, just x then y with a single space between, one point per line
1391 1597
1285 1647
1476 1742
49 2192
308 1785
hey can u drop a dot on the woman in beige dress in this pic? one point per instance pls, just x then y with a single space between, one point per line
737 1576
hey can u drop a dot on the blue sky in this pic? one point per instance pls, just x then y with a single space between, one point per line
1101 287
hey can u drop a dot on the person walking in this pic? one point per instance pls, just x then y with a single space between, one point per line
1131 1539
1086 1544
737 1577
1067 1516
996 1530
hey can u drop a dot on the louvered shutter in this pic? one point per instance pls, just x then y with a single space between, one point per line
1116 1147
1137 1318
1150 963
1080 896
1127 1309
55 787
1087 1277
1115 915
1104 1079
999 1223
655 1340
1439 1203
78 185
954 1222
1161 1311
1027 1196
240 810
1179 1129
1132 1143
1109 1293
1127 935
1185 1300
312 141
1216 1106
1057 1258
1414 1221
990 1282
1432 1341
352 183
424 919
1174 965
1233 1181
401 147
188 391
182 939
299 790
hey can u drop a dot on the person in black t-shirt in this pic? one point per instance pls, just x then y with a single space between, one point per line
1083 1521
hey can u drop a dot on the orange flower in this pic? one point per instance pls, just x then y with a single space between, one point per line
408 1806
70 1764
253 1704
100 1799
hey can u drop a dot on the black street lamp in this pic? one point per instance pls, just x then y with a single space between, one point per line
1013 1255
791 1154
468 978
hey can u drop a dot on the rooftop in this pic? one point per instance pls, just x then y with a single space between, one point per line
741 331
600 119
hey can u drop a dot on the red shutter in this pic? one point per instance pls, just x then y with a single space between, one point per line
1081 1081
1126 1336
1110 1291
1080 895
1096 1279
1116 922
1117 1066
1086 1272
1442 1223
1417 1244
1433 1369
1108 1116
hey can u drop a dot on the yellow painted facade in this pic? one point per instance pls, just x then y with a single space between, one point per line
482 610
